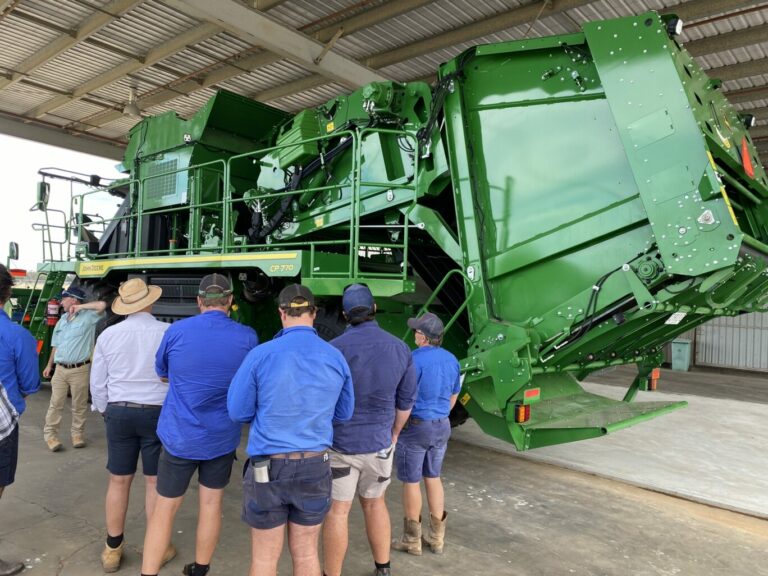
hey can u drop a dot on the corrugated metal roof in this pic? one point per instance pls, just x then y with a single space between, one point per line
148 25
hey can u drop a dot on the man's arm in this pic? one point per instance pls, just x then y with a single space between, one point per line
97 306
99 378
345 405
405 398
401 417
49 367
27 374
242 397
161 358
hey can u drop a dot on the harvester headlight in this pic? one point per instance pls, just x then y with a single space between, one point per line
675 27
749 120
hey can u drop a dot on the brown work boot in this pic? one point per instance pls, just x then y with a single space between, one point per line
411 540
53 444
10 568
111 557
78 441
436 537
170 554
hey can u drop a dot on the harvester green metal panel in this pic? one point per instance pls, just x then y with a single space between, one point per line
566 203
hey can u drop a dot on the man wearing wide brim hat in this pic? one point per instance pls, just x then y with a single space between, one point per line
129 394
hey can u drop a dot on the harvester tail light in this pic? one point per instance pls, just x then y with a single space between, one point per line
653 380
39 346
522 413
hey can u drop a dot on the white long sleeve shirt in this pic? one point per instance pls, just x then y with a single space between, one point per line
124 363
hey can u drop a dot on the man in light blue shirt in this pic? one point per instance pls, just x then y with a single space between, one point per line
290 389
71 348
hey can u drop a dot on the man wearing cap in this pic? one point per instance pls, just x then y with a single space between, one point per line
129 394
361 458
422 445
19 378
199 356
71 348
290 389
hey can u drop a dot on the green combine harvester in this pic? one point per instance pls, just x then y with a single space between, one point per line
566 204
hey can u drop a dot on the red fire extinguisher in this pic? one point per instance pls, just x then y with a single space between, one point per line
52 312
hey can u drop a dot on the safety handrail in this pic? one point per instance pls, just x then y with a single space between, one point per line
469 289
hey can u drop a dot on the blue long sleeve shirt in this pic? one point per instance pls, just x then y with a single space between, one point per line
19 370
199 356
384 379
291 389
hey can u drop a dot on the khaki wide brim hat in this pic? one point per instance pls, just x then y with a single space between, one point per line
135 295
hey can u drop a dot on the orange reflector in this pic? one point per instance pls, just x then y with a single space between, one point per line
39 346
27 319
17 272
522 413
653 380
746 160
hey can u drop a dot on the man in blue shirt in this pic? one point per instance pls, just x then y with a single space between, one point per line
290 389
361 459
198 356
422 445
71 348
19 377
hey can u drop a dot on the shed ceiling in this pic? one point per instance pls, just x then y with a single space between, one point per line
67 66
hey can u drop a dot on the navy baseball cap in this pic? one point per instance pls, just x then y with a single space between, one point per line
428 324
357 300
74 292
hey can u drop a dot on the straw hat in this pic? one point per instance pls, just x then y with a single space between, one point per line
135 295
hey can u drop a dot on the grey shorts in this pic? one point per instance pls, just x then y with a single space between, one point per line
365 474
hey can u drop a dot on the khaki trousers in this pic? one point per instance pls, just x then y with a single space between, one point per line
76 380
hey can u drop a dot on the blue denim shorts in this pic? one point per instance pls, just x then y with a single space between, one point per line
130 432
9 456
298 491
421 448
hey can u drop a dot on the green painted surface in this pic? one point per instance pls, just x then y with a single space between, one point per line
569 203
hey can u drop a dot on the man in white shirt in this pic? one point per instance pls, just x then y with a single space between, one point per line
126 390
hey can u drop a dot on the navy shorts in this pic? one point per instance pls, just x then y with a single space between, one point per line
174 473
9 456
298 491
130 432
421 448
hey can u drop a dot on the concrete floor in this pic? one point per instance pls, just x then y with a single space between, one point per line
508 514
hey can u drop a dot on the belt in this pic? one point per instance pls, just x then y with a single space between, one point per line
416 421
291 455
75 365
134 405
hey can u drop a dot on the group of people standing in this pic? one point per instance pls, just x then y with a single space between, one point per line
328 422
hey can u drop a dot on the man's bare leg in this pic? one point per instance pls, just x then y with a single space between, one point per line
150 495
208 524
377 527
266 546
302 541
435 496
158 534
412 500
336 537
116 504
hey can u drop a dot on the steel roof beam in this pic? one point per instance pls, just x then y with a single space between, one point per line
89 26
728 41
741 70
369 18
759 113
747 94
261 30
697 9
759 132
155 55
58 137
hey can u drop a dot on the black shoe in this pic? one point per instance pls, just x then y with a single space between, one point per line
381 572
10 568
193 569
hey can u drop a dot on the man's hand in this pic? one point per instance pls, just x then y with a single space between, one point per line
73 310
47 371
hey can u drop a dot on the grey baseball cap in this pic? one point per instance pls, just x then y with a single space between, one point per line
428 324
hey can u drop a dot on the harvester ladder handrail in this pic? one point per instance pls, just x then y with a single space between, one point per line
469 290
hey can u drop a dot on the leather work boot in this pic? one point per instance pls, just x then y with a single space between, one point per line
111 557
10 568
436 537
78 441
170 554
411 540
53 444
